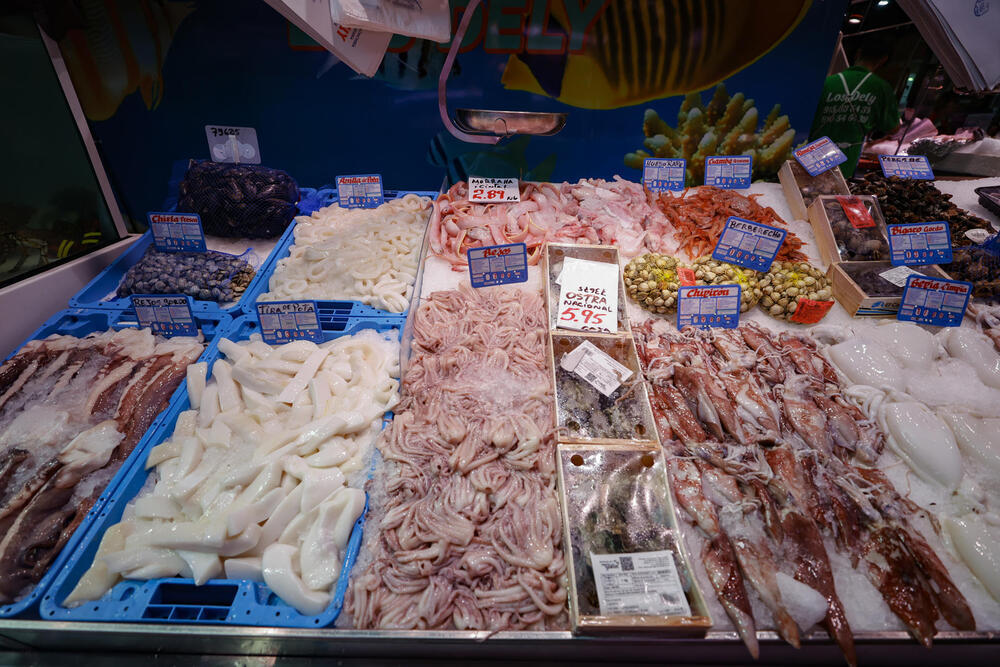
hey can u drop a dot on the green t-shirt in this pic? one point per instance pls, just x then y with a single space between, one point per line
854 103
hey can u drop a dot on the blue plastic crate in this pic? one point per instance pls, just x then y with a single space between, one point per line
342 308
79 323
178 600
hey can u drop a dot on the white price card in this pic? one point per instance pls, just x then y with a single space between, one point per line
493 190
596 367
638 584
897 275
588 296
232 144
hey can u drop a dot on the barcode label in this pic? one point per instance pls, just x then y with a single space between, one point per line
639 584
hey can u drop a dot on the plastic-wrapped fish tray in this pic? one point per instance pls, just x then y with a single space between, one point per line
325 197
95 293
79 323
177 600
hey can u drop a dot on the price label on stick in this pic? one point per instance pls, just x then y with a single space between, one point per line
728 171
595 366
232 144
748 244
177 232
360 191
920 243
934 301
906 166
498 265
659 175
709 306
588 296
286 321
819 156
493 190
166 314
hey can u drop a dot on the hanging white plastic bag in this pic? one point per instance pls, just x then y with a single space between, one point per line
426 19
361 50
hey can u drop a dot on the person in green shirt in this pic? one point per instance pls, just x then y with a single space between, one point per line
855 103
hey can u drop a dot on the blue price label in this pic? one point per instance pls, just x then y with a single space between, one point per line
286 321
748 244
906 166
936 301
177 232
920 243
360 191
659 175
708 306
819 156
728 171
498 264
166 314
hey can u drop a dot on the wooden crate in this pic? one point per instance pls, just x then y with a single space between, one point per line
793 178
587 473
630 401
826 240
859 303
552 257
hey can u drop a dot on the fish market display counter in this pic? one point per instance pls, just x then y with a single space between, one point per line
808 487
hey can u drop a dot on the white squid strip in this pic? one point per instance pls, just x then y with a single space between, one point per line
156 507
98 579
207 535
302 378
249 568
258 380
318 485
241 518
187 422
209 406
196 379
319 393
280 577
320 555
267 479
234 351
204 566
129 559
229 393
281 516
240 544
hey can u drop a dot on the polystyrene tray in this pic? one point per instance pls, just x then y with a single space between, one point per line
79 323
325 197
179 600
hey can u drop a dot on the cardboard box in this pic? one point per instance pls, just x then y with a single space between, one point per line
826 238
617 502
794 180
859 303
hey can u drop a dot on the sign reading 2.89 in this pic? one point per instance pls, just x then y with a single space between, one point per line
493 190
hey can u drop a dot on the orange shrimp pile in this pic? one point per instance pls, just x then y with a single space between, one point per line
699 218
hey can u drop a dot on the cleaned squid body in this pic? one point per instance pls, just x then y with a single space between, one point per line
979 547
912 346
925 442
867 362
977 350
978 439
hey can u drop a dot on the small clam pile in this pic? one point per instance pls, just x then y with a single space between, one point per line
651 281
207 276
709 271
787 284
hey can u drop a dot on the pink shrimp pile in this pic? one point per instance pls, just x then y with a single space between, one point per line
469 534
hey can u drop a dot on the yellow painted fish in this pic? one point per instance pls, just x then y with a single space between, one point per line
641 50
121 50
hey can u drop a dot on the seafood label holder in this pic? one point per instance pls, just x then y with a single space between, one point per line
177 232
711 306
233 144
595 367
728 171
819 156
493 190
639 584
360 191
920 243
287 321
748 244
498 265
935 301
659 175
906 166
588 296
165 314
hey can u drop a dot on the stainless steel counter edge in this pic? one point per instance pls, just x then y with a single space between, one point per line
717 647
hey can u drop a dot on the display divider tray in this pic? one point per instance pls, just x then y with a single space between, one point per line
178 600
325 197
79 323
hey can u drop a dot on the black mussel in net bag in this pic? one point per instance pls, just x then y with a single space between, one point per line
239 200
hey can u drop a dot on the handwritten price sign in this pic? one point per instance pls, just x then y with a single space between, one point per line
583 316
588 296
493 190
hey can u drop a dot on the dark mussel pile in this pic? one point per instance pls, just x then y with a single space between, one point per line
909 200
979 266
239 200
207 276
